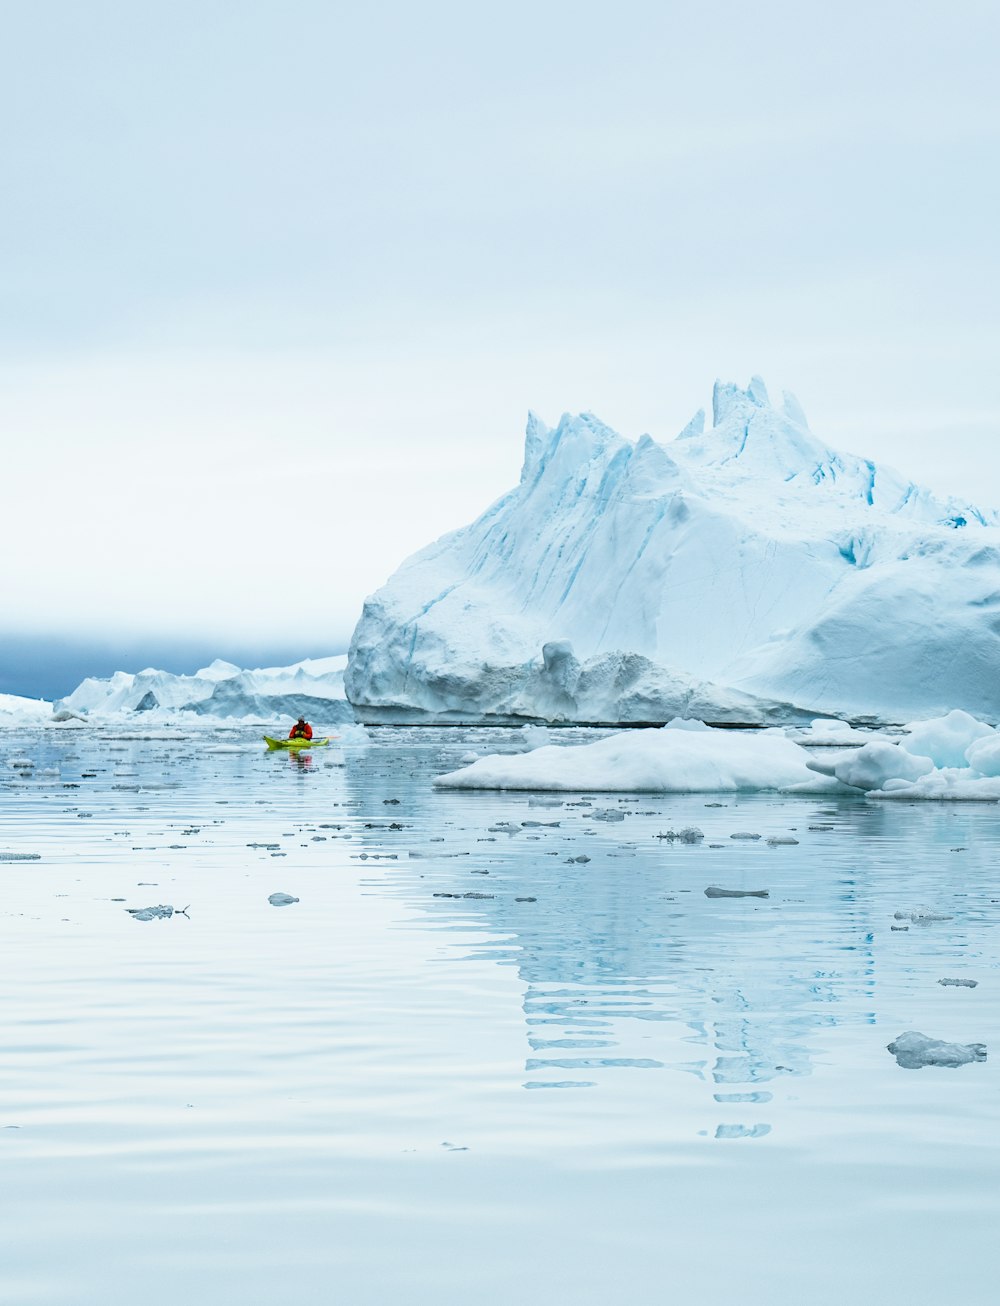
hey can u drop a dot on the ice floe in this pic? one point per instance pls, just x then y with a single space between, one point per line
666 760
677 759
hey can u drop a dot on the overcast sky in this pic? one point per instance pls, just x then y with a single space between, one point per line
280 280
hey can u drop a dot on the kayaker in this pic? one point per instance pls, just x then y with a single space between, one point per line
301 730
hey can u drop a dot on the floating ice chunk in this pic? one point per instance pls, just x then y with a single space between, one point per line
20 857
776 839
281 899
945 740
872 765
824 733
959 983
948 784
742 1131
983 755
713 891
690 834
913 1051
744 834
535 737
161 912
921 916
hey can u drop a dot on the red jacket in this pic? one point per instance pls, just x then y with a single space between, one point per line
301 732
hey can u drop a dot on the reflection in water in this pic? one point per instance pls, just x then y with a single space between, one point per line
626 939
739 991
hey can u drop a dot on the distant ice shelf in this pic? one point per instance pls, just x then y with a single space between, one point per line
746 573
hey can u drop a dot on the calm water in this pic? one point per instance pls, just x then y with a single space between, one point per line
587 1083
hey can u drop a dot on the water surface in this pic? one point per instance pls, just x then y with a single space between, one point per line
587 1082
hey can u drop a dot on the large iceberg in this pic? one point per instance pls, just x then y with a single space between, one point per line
744 573
313 687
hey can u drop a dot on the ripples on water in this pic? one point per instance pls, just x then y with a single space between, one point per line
587 1082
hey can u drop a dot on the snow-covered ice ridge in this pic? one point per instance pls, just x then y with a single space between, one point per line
744 573
313 687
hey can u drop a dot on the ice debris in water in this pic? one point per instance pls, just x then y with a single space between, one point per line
713 891
777 839
161 912
959 983
921 916
281 899
20 857
690 834
913 1051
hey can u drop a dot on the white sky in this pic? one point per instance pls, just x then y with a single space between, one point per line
280 280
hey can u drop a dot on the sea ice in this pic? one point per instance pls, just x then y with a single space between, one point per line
659 761
281 899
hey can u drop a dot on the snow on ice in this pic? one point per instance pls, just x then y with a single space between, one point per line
742 573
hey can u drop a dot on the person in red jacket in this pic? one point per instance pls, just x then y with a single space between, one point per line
301 730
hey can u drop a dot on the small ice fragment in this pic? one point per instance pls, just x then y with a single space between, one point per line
742 1131
607 814
20 857
161 912
777 839
744 834
921 916
959 983
525 899
713 891
913 1051
281 899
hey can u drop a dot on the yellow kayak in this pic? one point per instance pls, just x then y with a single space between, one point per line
298 744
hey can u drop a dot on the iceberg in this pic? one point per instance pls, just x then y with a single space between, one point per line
313 687
18 711
743 573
